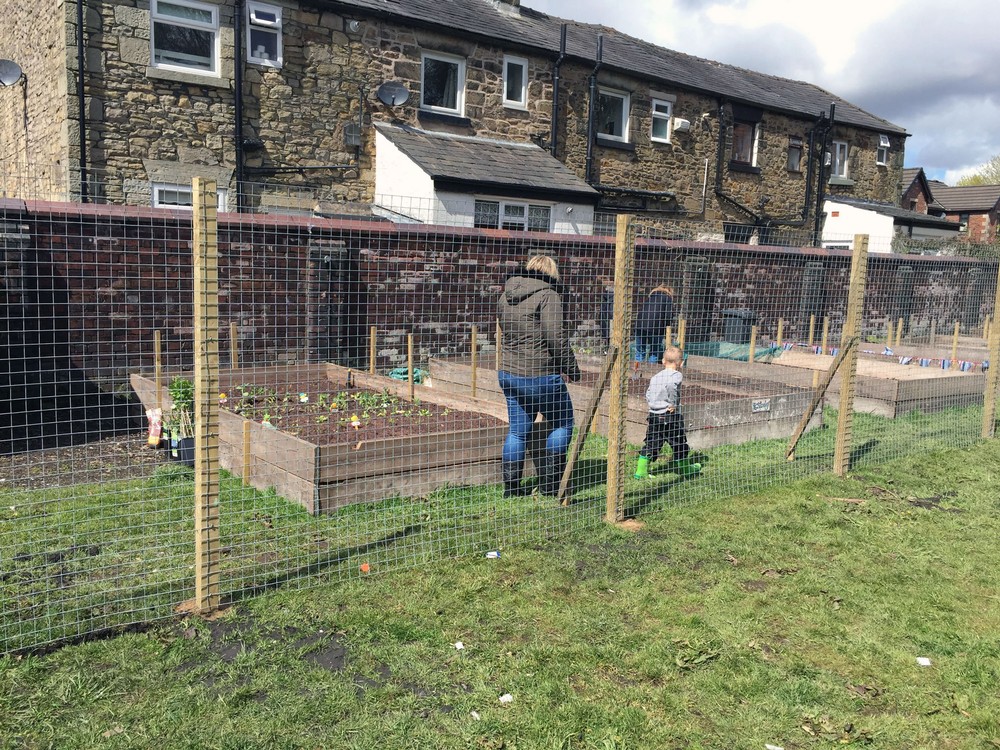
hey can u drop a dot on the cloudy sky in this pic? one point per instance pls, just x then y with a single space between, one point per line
931 67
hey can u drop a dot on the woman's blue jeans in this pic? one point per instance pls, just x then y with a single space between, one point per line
527 397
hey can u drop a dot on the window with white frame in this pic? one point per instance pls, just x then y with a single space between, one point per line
744 143
170 195
512 215
662 111
264 34
442 83
794 154
882 155
611 117
838 159
515 82
185 35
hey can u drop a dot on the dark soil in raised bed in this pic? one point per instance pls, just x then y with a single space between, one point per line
314 418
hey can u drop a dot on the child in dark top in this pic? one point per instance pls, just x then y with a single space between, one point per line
656 313
665 424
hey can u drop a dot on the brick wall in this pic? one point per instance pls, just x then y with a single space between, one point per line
101 280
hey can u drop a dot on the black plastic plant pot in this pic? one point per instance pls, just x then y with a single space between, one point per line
182 450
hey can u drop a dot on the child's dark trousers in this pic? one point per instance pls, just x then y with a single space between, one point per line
665 428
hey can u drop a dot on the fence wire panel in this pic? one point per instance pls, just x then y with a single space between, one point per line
283 389
925 356
747 319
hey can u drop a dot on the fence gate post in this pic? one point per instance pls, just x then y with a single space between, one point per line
849 369
993 374
621 326
206 395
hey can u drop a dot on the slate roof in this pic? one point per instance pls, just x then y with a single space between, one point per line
899 215
530 29
968 198
471 161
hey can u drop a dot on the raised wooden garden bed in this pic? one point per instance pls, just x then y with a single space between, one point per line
718 409
454 440
883 387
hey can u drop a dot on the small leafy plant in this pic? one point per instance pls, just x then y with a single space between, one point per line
180 419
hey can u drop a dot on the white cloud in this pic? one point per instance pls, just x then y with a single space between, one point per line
932 70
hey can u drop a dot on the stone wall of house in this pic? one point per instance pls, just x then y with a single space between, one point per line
34 164
153 125
104 281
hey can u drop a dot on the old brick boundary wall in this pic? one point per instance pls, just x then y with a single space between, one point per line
96 281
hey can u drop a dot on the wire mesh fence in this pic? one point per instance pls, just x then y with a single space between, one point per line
205 404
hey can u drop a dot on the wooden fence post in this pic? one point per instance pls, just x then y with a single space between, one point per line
753 343
621 325
206 395
849 374
954 346
993 374
781 331
475 359
372 349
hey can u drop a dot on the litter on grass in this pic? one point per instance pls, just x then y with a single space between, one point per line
493 554
506 698
923 661
459 645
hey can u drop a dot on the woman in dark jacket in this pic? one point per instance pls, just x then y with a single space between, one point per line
651 324
535 355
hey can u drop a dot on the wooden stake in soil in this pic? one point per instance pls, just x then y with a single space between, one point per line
158 369
753 343
986 329
781 331
246 452
409 362
954 347
681 333
372 331
812 329
826 334
849 377
206 395
234 347
475 360
993 374
899 332
669 338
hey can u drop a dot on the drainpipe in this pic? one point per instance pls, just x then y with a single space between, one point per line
238 105
822 173
593 108
553 133
81 105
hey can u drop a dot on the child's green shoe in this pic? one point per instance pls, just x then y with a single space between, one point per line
642 469
687 468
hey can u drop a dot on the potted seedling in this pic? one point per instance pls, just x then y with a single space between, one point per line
179 421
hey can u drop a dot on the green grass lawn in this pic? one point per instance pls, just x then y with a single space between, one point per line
792 617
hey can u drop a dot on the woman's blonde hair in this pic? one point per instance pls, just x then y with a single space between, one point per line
666 289
543 264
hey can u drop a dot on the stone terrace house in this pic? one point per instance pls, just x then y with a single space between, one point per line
312 97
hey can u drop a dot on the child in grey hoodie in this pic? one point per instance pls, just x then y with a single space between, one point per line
665 424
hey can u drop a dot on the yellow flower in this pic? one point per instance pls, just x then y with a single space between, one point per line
355 422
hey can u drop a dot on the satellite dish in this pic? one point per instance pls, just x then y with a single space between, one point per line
10 72
392 93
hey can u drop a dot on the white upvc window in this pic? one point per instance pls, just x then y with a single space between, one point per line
171 195
882 155
442 83
838 161
185 36
661 112
515 82
264 34
513 215
612 114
